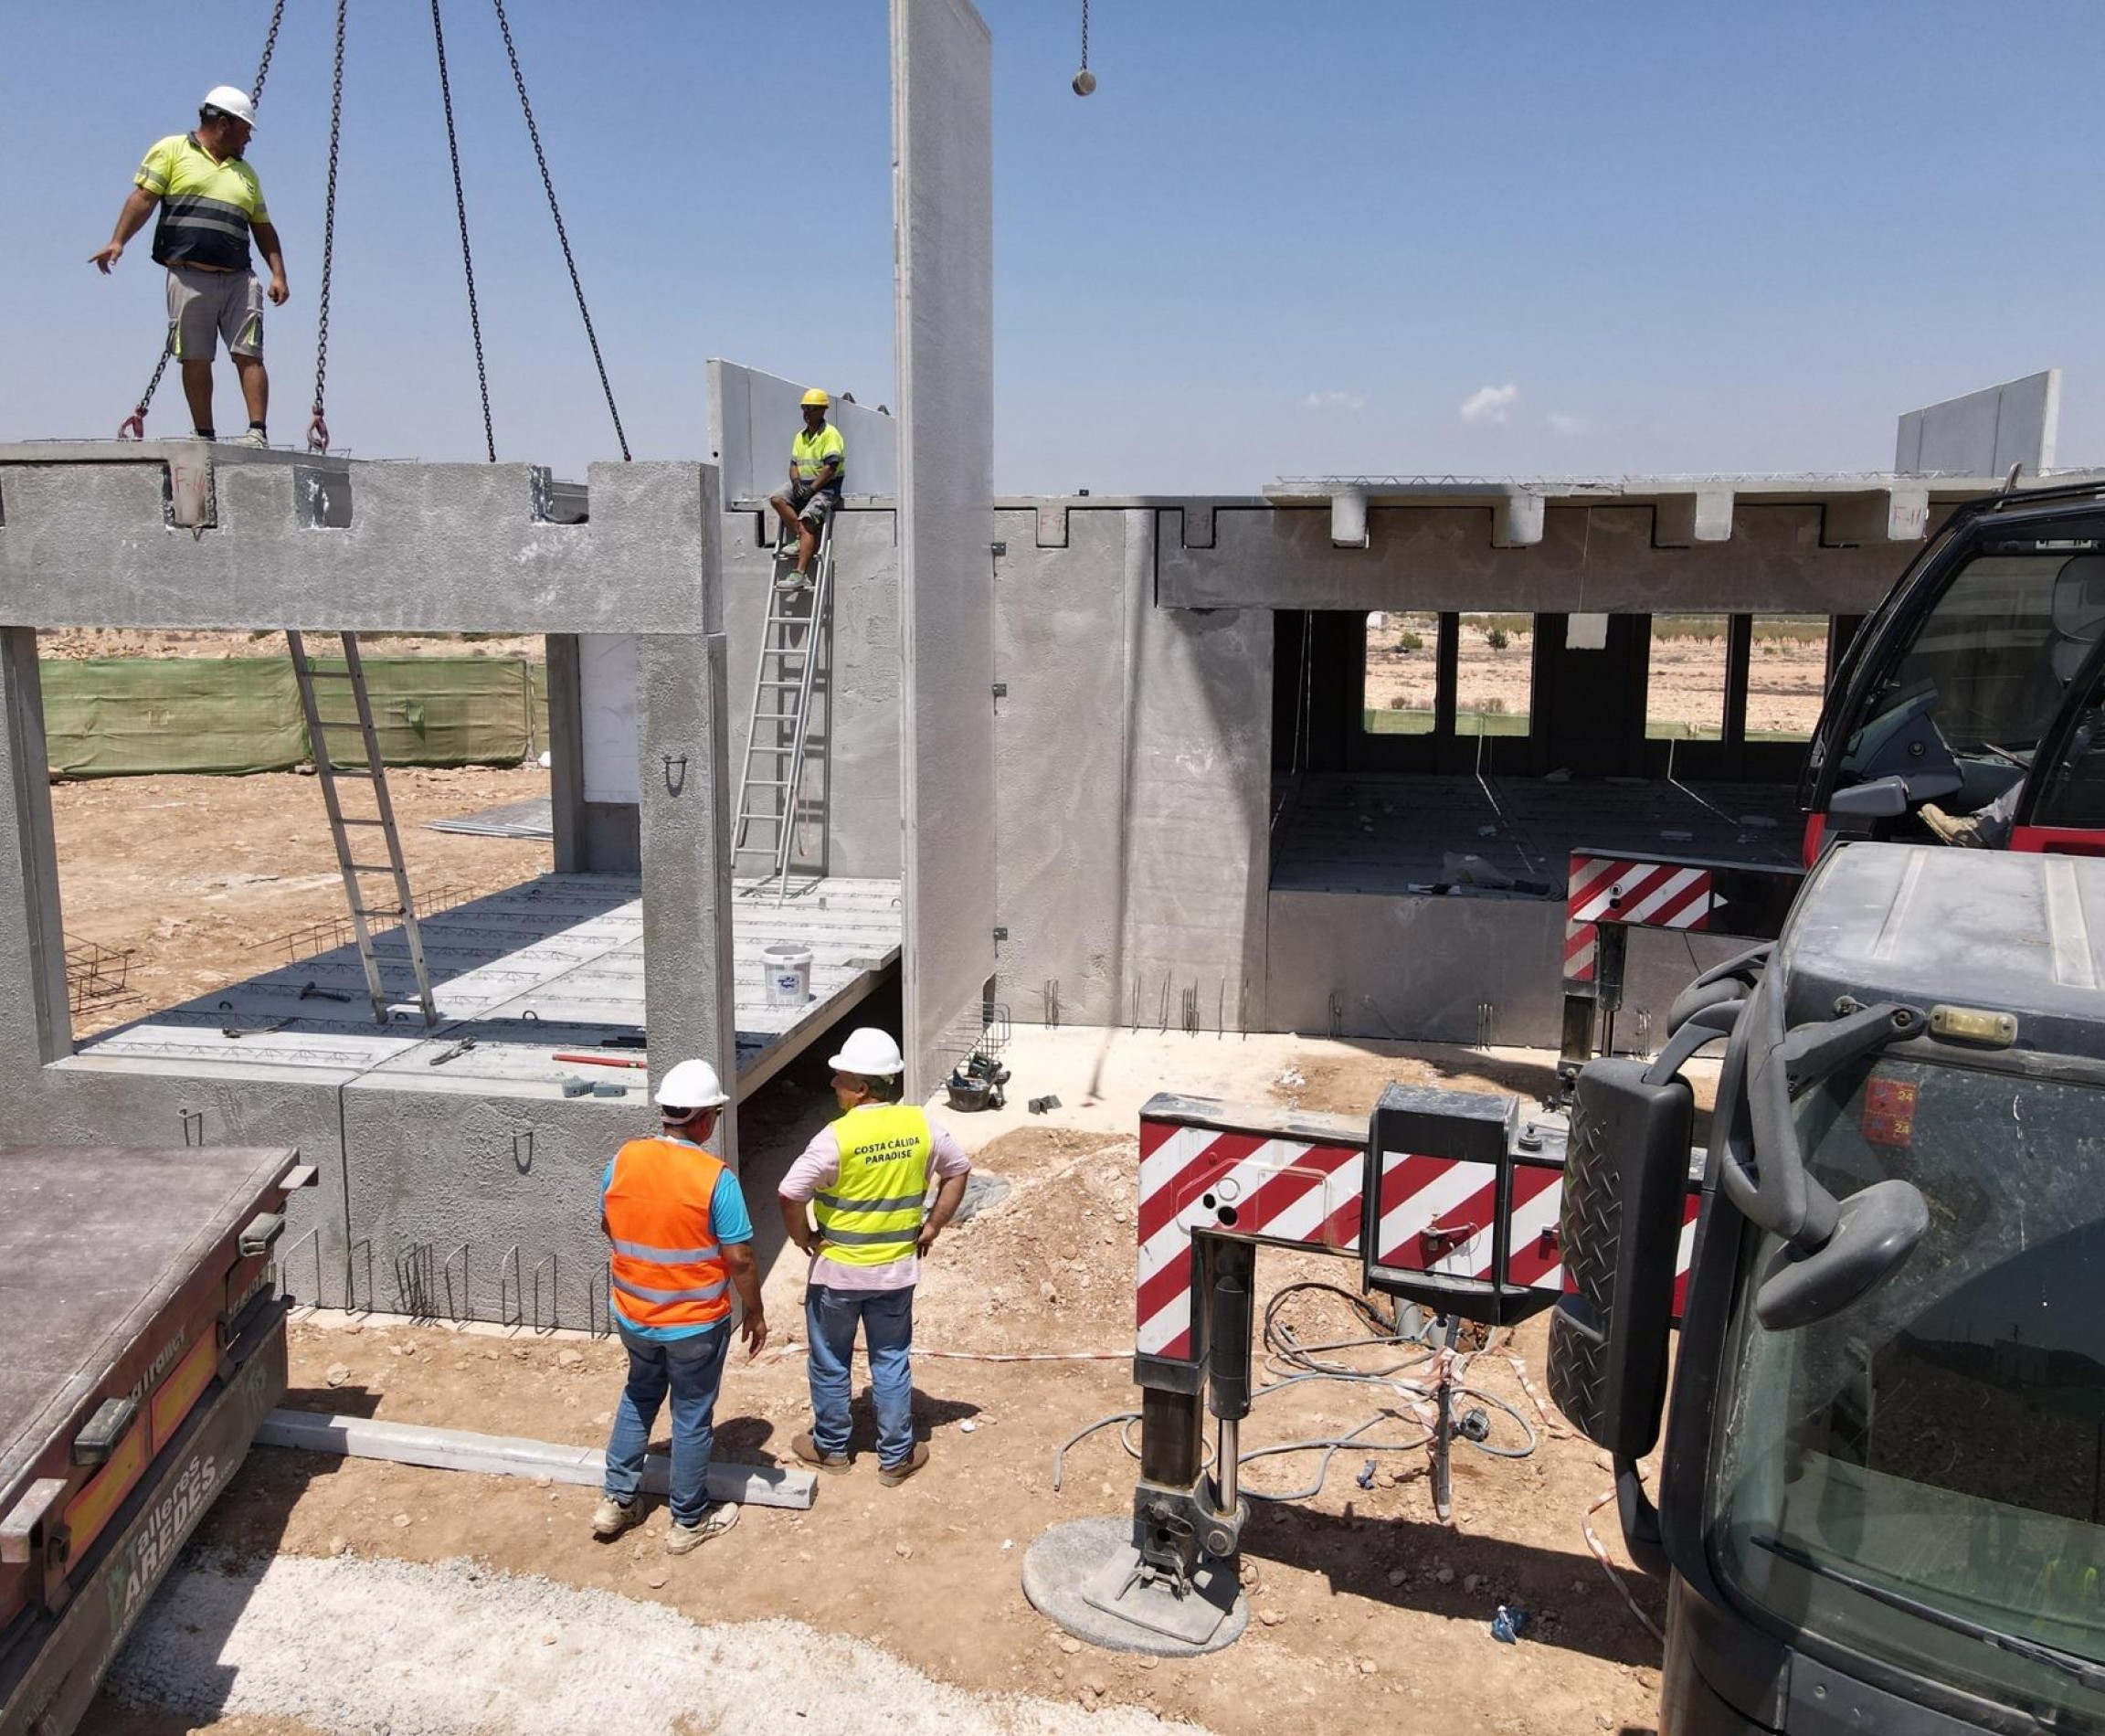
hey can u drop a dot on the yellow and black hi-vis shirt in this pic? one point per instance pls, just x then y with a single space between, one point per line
207 206
810 453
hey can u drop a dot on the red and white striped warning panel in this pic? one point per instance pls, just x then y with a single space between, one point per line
1439 1215
1196 1178
1639 894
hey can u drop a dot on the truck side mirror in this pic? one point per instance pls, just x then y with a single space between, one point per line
1881 799
1625 1174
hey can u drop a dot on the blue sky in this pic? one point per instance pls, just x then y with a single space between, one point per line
1279 240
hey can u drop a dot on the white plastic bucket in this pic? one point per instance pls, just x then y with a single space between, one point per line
788 969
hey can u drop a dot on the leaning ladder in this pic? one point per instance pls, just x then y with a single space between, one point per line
329 767
782 708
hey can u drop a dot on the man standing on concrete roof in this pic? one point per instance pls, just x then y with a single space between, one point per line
681 1241
865 1178
210 204
818 461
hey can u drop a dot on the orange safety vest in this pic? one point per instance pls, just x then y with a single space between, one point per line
667 1268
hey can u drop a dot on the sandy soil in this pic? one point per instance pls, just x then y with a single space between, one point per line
194 882
1369 1612
1687 685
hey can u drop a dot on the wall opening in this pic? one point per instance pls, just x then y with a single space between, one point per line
193 843
1685 678
1493 673
1402 673
1786 676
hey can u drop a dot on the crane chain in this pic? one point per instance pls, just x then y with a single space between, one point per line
467 252
133 427
555 211
317 429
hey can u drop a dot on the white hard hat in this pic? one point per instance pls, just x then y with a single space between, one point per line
691 1084
869 1052
229 101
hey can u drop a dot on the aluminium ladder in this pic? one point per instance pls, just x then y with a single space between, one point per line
783 685
330 767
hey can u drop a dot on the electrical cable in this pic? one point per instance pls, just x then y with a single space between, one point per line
466 253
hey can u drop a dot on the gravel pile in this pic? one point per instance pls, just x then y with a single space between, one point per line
351 1647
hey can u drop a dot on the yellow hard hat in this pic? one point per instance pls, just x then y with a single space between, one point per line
819 397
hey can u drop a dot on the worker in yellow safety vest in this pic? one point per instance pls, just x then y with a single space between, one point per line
682 1243
210 204
857 1203
818 463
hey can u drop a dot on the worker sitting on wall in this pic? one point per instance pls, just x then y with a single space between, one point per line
681 1241
210 204
818 460
865 1178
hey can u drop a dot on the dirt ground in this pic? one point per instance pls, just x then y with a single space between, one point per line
1366 1612
1785 677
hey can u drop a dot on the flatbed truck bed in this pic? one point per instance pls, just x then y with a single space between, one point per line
144 1341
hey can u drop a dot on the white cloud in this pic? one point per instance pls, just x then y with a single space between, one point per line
1490 403
1561 423
1335 401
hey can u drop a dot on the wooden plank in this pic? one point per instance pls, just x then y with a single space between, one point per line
510 1455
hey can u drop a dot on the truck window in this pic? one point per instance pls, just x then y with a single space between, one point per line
1944 1439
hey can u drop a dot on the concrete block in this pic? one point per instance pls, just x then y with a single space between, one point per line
1896 514
943 218
1701 516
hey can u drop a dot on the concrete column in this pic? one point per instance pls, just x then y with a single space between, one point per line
37 1027
683 766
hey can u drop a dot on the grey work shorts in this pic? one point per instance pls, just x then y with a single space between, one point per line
813 509
205 306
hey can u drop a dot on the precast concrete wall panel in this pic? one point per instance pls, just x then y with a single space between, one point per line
486 1206
753 417
1199 781
942 140
1414 968
858 712
689 988
1062 623
431 548
1590 559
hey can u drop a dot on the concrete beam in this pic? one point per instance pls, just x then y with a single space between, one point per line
91 542
1896 514
1702 516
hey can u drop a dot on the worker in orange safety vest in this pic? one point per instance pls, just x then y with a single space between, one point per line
682 1243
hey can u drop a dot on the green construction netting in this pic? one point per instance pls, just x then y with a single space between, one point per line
119 717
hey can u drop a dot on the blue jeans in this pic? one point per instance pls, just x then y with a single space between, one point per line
886 1317
692 1367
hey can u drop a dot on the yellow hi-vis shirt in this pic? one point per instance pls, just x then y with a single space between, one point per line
810 453
207 205
871 1215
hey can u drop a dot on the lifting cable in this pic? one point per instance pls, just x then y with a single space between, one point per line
548 185
466 253
133 427
318 429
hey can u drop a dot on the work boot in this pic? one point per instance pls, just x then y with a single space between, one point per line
611 1518
809 1450
892 1476
1962 829
714 1521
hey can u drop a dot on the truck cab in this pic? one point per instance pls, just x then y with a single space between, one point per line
1881 1499
1976 685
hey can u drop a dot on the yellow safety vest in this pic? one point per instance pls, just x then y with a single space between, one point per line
810 453
872 1214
